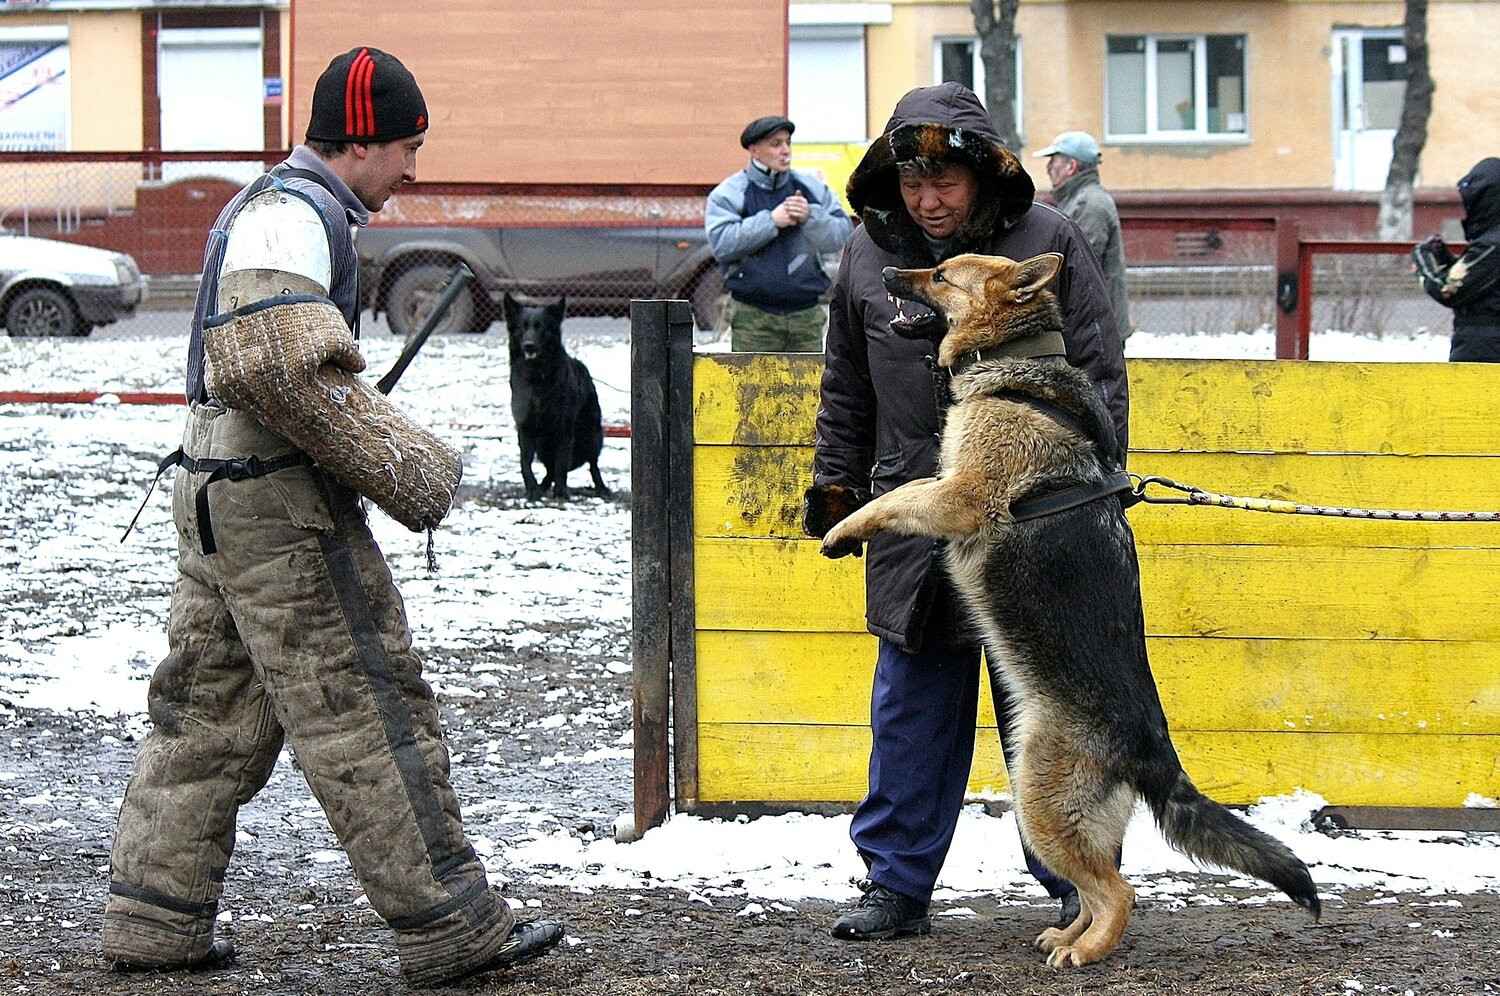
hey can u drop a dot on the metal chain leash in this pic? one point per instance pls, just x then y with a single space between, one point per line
1193 495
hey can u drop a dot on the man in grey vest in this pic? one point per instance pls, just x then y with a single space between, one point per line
286 626
1073 169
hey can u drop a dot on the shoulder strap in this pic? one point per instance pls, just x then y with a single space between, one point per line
302 174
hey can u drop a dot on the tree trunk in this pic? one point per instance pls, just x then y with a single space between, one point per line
1395 218
995 23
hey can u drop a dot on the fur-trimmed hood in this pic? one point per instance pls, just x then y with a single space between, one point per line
946 123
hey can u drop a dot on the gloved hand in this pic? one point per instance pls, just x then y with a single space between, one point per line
825 505
1435 249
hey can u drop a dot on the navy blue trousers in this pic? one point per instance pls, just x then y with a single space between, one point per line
923 711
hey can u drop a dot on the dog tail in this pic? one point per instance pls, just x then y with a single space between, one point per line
1206 831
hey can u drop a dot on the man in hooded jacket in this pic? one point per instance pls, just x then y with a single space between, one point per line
936 184
1469 284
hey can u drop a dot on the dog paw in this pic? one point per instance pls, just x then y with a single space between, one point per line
1050 939
1066 956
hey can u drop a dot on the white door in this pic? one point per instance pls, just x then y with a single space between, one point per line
1369 85
826 83
211 88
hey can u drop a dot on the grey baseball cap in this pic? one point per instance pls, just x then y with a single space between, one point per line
1078 145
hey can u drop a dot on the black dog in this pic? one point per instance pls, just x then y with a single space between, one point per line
552 398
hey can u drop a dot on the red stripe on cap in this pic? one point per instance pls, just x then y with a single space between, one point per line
359 114
367 98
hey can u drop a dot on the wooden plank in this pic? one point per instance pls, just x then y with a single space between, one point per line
756 491
1257 406
756 398
786 763
770 585
650 558
1267 406
1408 818
750 491
1219 591
1226 685
828 764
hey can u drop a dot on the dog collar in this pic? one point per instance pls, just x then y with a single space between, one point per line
1049 343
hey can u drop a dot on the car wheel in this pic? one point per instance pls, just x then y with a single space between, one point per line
42 311
413 294
710 302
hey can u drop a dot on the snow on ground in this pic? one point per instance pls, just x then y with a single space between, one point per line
71 477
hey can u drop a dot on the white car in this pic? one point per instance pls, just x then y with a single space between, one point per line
52 288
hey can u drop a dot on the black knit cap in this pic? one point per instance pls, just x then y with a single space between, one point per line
761 127
366 95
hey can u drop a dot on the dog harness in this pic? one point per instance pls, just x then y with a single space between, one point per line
1115 482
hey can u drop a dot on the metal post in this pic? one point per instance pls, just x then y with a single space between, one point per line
1293 302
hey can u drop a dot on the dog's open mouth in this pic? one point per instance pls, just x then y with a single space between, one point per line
923 325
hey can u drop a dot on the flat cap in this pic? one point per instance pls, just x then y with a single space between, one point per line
761 127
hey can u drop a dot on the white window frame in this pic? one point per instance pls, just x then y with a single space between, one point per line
1199 133
972 42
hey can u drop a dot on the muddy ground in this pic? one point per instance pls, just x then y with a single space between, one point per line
301 928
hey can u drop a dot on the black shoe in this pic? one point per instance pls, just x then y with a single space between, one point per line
525 942
882 913
1070 909
220 955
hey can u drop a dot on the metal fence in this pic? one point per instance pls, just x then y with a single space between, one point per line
600 246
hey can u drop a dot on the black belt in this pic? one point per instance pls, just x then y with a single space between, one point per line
231 469
1079 494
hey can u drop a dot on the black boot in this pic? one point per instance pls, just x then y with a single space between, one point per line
882 913
524 942
1070 908
220 955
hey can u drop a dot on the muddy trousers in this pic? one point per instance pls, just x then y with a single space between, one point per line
292 631
922 716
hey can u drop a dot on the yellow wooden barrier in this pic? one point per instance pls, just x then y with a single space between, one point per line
1357 659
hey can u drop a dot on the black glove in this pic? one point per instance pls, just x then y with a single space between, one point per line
1434 249
825 505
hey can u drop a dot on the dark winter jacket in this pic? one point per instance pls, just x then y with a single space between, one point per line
878 418
1470 284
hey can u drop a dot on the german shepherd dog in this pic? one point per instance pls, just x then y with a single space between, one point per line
1056 598
553 400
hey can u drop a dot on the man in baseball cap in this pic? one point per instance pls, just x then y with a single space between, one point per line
1073 169
1076 145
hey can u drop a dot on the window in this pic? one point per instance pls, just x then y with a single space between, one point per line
957 60
1175 87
